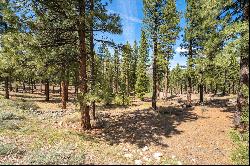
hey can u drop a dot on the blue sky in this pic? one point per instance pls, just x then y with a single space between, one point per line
131 12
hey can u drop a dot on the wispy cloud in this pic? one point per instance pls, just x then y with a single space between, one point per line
126 17
128 10
180 50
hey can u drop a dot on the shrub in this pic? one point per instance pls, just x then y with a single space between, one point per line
10 116
56 155
10 120
241 153
10 149
119 100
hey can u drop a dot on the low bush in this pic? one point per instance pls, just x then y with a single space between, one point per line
10 149
56 155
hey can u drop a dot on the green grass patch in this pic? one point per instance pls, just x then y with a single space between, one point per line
240 155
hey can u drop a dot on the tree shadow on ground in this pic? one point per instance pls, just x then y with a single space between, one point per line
222 103
171 97
145 127
27 96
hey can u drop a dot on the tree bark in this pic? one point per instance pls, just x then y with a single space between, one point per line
84 108
166 86
76 82
63 85
205 88
47 90
10 82
66 89
24 88
16 88
244 82
189 92
41 87
92 56
154 96
216 89
60 89
233 87
53 88
34 84
201 93
32 88
225 83
181 89
7 93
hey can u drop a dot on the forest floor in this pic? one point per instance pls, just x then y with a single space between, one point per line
35 132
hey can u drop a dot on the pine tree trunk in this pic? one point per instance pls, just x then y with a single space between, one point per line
201 93
242 100
189 93
32 88
211 88
244 82
53 88
29 85
16 88
225 83
84 108
185 88
47 90
41 87
233 87
76 84
92 55
67 90
24 88
7 93
154 96
10 82
158 90
181 89
60 90
63 85
76 89
205 88
189 99
166 83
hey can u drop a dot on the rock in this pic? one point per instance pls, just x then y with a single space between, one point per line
157 155
138 162
173 157
128 155
146 159
179 163
144 149
60 123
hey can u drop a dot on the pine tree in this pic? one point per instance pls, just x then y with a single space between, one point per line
134 63
153 20
126 67
142 82
169 33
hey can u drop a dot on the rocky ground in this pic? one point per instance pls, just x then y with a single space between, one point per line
124 135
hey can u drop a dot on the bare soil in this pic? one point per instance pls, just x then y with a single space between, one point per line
196 135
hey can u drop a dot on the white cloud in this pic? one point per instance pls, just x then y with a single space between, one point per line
127 18
128 11
180 50
132 19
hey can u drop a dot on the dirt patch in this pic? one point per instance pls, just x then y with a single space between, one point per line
137 134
